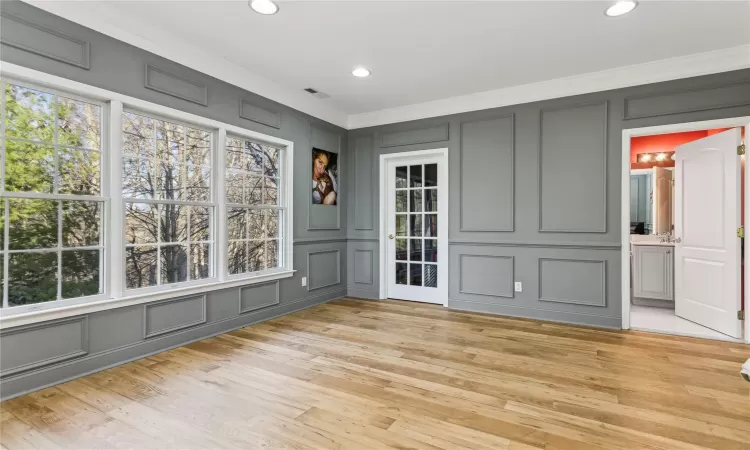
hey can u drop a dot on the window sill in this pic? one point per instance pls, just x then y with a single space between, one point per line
9 320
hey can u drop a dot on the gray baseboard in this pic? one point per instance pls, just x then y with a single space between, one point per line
539 314
52 375
363 293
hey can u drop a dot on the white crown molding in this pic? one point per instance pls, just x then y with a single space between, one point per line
103 20
724 60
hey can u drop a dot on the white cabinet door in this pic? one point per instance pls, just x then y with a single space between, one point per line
707 215
652 272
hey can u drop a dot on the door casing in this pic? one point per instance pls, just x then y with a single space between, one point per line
383 203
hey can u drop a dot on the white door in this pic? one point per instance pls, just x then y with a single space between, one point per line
416 232
707 215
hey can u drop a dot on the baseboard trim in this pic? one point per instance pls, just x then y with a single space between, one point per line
28 382
536 313
367 294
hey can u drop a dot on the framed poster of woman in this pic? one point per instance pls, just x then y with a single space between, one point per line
325 173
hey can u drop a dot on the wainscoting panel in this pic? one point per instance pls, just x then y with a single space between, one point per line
365 172
436 133
487 275
323 269
258 296
574 281
573 169
19 33
684 101
487 175
563 283
363 266
259 115
31 347
175 85
323 217
174 314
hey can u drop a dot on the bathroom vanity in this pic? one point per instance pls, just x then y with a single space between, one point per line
653 273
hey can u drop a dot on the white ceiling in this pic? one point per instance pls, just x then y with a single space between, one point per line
422 51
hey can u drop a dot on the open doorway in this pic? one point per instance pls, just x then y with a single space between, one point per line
683 202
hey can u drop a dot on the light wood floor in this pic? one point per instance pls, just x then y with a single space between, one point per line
368 375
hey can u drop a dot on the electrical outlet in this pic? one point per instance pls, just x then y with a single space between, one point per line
304 281
518 286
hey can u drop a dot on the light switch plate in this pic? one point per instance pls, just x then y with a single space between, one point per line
518 286
304 281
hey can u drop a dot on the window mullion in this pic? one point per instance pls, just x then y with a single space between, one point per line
219 221
114 232
6 256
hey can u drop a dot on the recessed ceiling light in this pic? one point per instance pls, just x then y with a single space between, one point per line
361 72
621 7
266 7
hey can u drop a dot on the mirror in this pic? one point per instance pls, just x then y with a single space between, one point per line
651 201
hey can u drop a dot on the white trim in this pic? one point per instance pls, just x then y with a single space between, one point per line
724 60
116 296
102 305
382 238
97 16
104 20
629 133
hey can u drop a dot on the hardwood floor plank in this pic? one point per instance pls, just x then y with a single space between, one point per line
361 375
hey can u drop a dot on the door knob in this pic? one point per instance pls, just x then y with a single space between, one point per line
390 236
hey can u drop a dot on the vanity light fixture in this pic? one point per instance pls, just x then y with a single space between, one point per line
361 72
658 157
265 7
621 7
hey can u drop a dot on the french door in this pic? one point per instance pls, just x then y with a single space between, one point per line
416 233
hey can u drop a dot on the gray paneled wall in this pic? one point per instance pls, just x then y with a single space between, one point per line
534 194
47 353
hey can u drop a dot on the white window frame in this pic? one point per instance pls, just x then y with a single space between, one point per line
113 229
284 189
102 198
212 203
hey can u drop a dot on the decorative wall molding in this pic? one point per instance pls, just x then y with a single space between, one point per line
726 95
600 170
310 256
539 244
179 311
602 295
245 307
257 114
436 133
78 347
371 263
327 139
363 193
510 292
510 180
44 41
177 86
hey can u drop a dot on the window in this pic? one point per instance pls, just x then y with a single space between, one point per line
166 185
51 203
108 197
255 206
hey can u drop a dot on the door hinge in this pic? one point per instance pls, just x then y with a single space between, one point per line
741 149
741 232
740 315
671 182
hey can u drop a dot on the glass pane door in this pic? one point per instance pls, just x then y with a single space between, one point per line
416 223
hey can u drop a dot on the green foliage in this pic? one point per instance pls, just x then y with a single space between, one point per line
31 166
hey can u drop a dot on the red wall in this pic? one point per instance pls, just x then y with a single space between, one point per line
663 143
